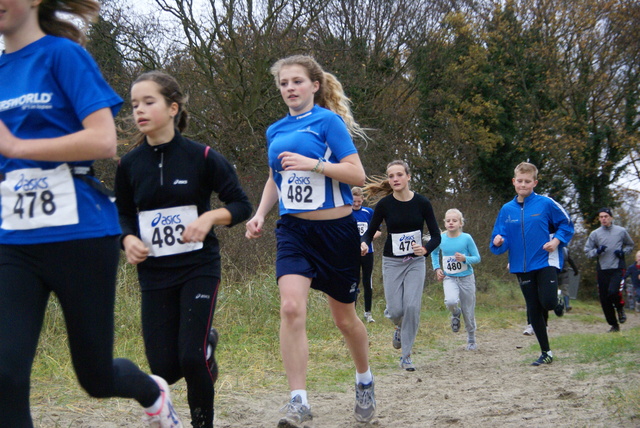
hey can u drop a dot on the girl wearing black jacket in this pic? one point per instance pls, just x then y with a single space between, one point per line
163 191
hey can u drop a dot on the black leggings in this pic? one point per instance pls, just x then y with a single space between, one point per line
540 291
82 274
366 262
175 326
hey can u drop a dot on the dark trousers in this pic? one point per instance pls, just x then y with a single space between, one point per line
82 274
366 263
540 291
175 326
609 293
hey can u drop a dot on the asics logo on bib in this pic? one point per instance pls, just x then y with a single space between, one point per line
28 101
406 237
165 220
31 184
299 180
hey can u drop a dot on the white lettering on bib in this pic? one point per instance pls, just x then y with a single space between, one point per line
302 190
401 242
450 265
363 226
162 229
33 198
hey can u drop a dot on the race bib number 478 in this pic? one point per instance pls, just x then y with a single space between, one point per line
161 230
33 198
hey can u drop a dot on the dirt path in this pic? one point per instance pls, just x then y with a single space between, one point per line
494 386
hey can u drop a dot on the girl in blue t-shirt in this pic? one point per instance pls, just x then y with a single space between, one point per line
59 229
459 253
312 162
363 218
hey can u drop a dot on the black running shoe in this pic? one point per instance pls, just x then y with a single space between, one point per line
622 317
544 359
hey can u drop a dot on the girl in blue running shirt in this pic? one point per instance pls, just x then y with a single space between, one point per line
312 162
459 253
59 229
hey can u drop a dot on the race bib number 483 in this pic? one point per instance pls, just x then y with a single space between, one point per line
161 230
33 198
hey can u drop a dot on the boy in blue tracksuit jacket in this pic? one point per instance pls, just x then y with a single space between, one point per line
533 228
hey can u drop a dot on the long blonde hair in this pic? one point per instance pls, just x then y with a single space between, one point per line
377 186
330 95
51 23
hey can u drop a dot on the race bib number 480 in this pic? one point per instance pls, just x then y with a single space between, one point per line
161 230
450 265
33 198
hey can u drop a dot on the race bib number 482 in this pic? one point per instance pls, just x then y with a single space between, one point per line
33 198
161 230
302 190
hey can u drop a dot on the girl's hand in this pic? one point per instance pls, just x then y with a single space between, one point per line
294 161
197 230
551 245
364 248
460 257
418 250
439 274
254 227
498 240
134 249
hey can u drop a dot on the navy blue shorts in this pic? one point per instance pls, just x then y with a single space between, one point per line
327 251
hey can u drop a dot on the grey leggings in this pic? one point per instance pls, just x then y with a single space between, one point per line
403 285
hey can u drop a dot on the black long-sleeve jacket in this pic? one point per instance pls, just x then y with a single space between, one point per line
181 172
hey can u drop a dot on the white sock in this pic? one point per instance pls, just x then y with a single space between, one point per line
156 406
364 378
158 403
303 395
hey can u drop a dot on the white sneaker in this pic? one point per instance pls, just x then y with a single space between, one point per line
368 317
166 417
528 331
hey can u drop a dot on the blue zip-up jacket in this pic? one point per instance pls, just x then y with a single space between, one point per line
527 227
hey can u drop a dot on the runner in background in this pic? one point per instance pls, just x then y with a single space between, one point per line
363 217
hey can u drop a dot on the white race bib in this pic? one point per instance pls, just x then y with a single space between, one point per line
363 226
401 242
302 190
161 230
33 198
450 265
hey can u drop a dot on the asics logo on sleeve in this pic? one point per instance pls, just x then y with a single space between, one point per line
178 181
